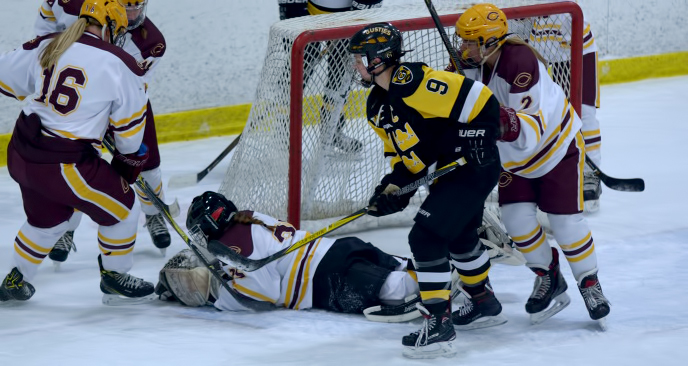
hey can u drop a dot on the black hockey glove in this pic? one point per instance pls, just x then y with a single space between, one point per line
384 202
479 144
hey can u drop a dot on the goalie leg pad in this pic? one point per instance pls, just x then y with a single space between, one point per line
190 286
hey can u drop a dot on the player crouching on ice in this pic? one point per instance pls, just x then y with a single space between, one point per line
345 275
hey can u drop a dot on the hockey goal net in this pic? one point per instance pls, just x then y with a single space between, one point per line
307 153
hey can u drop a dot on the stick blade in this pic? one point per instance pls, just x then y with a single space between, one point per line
183 181
625 185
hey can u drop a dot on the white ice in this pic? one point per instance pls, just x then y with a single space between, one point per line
641 241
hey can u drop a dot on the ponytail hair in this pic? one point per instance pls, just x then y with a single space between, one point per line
52 53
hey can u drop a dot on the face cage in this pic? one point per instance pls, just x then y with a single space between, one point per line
136 22
457 41
116 39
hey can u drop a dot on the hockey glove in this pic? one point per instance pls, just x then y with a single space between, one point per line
129 166
509 125
478 144
384 201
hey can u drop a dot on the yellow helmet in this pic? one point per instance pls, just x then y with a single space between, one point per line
109 14
484 23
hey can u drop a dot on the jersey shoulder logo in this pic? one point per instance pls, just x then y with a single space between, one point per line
523 79
402 76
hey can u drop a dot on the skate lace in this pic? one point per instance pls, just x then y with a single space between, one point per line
467 306
541 287
65 243
429 322
129 281
593 296
591 179
156 225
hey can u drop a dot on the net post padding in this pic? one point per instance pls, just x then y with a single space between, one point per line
285 165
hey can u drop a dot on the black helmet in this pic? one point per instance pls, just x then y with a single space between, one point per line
378 40
212 211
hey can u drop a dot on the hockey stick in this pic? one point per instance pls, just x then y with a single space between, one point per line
618 184
226 254
214 271
445 39
187 180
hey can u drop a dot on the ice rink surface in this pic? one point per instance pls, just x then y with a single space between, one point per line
641 241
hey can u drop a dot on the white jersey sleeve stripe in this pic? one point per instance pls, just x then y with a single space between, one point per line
5 89
133 131
254 294
125 121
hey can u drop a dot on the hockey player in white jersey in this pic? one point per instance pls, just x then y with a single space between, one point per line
77 85
343 275
547 35
542 160
147 45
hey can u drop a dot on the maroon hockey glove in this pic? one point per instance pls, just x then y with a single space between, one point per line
129 165
509 126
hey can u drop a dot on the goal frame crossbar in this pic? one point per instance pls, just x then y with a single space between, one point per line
297 75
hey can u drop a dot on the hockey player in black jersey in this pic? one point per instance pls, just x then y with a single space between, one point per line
427 119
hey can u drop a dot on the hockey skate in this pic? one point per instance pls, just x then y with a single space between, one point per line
549 287
394 313
346 144
597 304
158 232
434 339
123 288
592 189
479 311
62 248
15 288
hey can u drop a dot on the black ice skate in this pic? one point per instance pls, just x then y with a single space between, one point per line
123 288
549 286
394 313
598 306
434 339
478 311
158 232
61 250
15 288
592 189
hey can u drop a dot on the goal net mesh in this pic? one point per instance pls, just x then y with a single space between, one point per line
335 160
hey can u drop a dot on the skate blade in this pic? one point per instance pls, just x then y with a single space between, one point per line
56 266
602 322
560 302
118 300
486 322
371 314
591 206
163 251
439 349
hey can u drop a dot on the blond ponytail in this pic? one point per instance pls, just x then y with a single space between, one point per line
52 53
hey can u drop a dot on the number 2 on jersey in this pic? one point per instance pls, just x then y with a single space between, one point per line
64 96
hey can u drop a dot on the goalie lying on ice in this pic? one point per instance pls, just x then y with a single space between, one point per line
344 275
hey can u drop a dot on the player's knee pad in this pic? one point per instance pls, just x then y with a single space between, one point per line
519 218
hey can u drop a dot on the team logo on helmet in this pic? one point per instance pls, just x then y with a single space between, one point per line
402 76
493 15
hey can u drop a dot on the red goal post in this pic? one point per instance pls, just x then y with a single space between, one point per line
308 106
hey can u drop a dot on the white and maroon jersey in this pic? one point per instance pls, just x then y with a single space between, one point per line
93 85
548 121
146 43
286 282
316 7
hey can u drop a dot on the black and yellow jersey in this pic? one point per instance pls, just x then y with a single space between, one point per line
420 116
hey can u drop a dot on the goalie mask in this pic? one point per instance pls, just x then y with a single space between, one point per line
379 45
212 212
